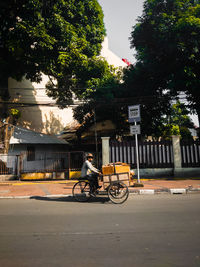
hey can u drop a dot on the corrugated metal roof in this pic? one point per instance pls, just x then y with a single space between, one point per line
25 136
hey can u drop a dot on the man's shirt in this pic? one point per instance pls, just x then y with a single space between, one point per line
88 169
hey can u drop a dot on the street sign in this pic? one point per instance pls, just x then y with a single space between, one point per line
134 116
134 113
135 129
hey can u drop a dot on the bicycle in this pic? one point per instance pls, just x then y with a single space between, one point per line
85 189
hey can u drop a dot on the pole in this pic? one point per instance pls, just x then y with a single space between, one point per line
137 157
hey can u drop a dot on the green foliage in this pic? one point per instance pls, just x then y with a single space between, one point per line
177 122
167 43
179 115
99 99
57 37
169 130
142 87
185 133
15 114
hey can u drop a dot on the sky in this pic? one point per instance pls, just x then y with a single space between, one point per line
119 18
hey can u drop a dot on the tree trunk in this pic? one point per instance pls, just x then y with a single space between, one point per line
4 95
6 136
4 114
198 115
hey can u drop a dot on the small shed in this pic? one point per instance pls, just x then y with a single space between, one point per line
37 151
25 140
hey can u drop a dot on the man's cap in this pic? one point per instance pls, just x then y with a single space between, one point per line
89 155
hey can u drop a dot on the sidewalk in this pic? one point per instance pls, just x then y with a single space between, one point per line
19 189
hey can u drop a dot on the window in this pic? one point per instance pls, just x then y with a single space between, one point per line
30 153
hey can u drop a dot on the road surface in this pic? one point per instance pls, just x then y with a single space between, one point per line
147 230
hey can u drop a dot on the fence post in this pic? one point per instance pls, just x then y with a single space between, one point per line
69 166
20 166
177 154
105 150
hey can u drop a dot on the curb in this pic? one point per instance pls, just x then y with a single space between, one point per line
32 197
131 191
164 191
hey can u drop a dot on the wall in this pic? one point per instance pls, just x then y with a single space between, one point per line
45 156
176 171
41 116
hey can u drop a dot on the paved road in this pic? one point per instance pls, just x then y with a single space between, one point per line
148 230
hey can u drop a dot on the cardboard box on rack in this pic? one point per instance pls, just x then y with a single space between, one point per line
117 167
110 178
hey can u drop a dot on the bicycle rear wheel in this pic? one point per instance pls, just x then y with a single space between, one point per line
81 191
118 192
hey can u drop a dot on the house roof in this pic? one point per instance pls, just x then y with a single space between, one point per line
104 128
24 136
111 58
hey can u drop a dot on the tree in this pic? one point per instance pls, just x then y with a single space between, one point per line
167 43
141 87
111 97
99 100
55 37
177 122
179 115
59 38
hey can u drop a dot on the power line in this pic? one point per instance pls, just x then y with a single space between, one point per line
23 104
56 89
31 104
38 100
35 97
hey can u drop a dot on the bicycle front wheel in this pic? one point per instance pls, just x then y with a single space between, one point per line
118 192
81 191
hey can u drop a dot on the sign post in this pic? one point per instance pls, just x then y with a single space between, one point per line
137 157
134 116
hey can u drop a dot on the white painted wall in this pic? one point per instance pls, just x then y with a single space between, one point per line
111 58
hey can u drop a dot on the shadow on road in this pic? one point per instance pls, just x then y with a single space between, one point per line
100 200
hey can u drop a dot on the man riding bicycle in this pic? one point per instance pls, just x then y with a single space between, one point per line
87 187
90 172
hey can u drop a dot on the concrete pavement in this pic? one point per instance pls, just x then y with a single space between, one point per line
23 189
